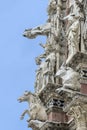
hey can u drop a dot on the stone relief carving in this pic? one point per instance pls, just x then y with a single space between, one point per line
52 7
45 73
51 59
48 48
44 68
36 109
76 34
39 79
70 78
79 114
73 35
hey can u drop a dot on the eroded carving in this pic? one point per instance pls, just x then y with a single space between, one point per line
70 78
76 34
40 30
80 116
36 109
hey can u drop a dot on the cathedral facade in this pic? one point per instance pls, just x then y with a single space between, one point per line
60 98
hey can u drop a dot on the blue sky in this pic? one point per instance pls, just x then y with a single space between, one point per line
17 57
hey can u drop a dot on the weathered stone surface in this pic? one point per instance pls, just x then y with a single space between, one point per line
77 109
36 109
75 60
60 88
70 78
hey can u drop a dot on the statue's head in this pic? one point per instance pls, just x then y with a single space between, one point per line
38 60
25 96
27 33
63 70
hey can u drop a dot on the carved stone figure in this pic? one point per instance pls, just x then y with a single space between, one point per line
45 73
44 69
78 113
73 34
38 60
36 109
51 59
70 78
49 70
47 47
76 23
39 79
40 30
52 7
39 75
78 8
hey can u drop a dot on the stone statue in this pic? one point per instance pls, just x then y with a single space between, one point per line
78 8
38 60
44 74
39 30
52 7
73 34
39 75
70 78
36 109
39 79
48 72
44 69
51 58
75 28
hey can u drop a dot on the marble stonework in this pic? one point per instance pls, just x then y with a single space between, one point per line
60 97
